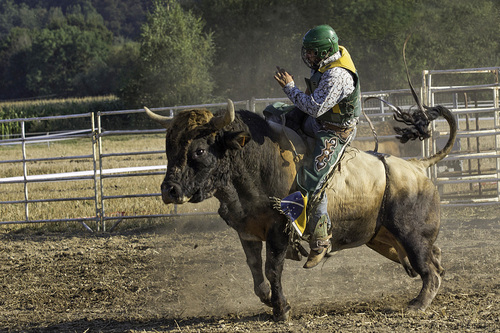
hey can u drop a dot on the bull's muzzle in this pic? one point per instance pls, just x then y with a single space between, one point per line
172 193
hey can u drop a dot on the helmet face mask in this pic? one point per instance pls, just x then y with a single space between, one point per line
311 57
322 41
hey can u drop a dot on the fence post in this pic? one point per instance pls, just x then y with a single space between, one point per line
95 150
496 105
252 104
25 170
100 209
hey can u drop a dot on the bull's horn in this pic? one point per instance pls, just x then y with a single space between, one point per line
227 118
162 120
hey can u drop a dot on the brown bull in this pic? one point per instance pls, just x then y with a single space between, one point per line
386 203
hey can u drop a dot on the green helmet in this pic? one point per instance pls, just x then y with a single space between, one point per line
322 40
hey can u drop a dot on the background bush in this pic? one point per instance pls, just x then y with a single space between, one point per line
55 107
177 52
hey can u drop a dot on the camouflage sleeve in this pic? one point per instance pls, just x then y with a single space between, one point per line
335 84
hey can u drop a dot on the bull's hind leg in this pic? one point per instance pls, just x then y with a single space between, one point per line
253 252
424 262
436 251
421 253
414 222
386 244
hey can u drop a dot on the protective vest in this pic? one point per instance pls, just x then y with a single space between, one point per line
350 106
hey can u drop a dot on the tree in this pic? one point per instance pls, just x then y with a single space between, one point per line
252 38
14 55
61 54
175 59
123 17
256 35
47 61
66 47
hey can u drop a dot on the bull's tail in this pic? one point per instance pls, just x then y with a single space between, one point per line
452 123
419 121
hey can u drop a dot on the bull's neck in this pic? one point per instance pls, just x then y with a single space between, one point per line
261 171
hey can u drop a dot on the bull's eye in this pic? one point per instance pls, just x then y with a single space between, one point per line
199 152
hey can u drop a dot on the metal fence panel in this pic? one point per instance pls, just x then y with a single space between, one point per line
468 176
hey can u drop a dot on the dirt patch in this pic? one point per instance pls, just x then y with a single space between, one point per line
191 276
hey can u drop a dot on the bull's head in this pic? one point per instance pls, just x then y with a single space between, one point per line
195 145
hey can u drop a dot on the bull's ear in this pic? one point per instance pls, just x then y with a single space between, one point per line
236 140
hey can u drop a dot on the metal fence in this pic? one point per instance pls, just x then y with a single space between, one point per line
468 176
474 176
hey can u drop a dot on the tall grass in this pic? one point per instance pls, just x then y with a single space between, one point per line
53 107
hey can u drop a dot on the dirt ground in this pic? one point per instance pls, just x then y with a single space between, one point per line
191 276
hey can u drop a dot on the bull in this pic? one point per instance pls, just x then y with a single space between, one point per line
387 203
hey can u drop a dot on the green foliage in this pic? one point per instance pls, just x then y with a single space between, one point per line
252 38
255 36
197 51
51 60
458 34
123 17
54 107
175 59
9 112
58 55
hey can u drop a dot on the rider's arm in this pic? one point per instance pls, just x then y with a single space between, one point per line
335 84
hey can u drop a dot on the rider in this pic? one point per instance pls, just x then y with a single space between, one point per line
331 106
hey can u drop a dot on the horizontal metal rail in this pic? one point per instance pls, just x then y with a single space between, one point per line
47 118
46 159
80 219
481 70
47 200
79 175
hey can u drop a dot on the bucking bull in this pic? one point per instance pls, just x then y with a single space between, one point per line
386 202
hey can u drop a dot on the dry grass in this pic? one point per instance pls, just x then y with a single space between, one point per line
43 102
75 209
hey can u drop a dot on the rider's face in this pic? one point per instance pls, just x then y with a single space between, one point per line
312 57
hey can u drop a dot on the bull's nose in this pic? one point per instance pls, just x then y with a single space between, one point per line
171 193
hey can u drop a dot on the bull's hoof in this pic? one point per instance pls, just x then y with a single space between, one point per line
416 306
263 291
267 301
282 315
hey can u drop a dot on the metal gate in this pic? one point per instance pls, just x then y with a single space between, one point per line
468 176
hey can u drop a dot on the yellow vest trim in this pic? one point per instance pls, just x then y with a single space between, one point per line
344 61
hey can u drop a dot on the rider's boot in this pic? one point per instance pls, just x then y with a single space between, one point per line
319 243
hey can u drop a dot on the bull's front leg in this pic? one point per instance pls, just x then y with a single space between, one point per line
253 252
276 246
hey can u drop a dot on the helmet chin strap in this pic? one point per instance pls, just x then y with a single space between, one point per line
322 60
328 56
